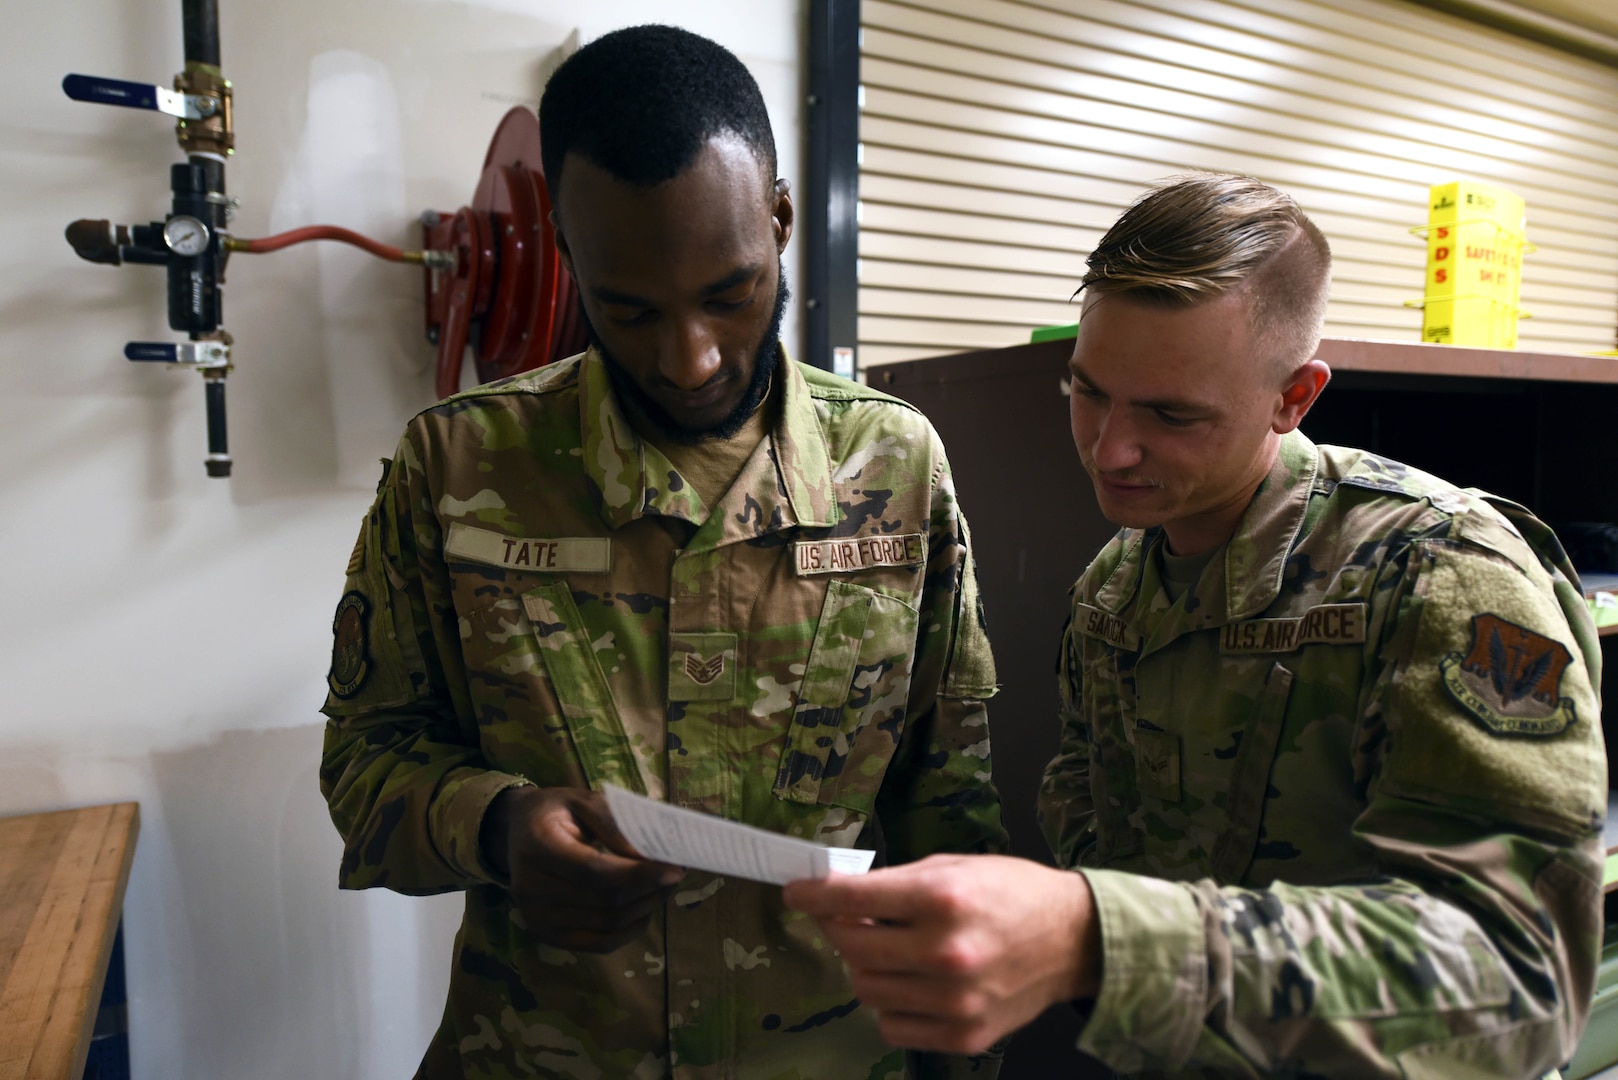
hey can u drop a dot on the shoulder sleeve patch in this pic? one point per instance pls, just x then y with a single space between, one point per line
368 669
351 645
1510 679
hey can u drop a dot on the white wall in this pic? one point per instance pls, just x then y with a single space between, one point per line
164 637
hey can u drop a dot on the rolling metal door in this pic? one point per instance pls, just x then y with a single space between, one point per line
999 138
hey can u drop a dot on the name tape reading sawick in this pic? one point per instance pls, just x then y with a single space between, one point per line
698 841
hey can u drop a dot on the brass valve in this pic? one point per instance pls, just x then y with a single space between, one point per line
212 130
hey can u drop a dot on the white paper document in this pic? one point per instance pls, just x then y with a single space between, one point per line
698 841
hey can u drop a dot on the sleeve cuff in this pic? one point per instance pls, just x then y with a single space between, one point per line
457 820
1154 977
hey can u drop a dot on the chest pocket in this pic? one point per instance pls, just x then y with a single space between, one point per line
1151 763
850 710
519 654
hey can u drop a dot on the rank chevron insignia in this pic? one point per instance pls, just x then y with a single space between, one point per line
703 672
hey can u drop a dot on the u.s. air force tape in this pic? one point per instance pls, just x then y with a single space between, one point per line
858 553
1326 624
554 555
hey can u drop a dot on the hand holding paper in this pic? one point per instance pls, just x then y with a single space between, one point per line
578 882
682 837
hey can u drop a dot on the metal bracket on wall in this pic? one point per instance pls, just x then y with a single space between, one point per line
832 187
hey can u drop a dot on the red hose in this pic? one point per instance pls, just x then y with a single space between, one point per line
317 232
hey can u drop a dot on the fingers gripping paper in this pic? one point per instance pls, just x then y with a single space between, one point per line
682 837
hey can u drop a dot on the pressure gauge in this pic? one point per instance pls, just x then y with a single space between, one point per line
185 235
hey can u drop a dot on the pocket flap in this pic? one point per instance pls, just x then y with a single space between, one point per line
826 680
1250 779
581 688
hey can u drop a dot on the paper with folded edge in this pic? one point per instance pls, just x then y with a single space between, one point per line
698 841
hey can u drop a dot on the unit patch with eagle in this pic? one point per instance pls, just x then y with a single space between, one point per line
1510 679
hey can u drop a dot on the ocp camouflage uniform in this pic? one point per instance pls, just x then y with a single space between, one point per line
1339 805
538 597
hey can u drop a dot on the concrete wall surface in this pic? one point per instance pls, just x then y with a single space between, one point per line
164 637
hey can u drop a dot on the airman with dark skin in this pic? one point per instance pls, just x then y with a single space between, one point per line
679 281
590 575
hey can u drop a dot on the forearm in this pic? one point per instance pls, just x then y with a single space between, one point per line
409 802
1354 979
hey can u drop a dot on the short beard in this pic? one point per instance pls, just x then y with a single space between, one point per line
766 358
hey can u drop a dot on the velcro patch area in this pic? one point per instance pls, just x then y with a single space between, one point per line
1157 755
1465 727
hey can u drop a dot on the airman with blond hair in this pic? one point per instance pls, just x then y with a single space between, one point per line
1332 781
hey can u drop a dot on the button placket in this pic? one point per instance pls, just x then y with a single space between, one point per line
696 627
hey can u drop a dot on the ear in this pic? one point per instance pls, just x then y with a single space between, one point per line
1302 388
780 214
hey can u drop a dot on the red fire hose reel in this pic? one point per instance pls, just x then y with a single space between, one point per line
494 279
506 290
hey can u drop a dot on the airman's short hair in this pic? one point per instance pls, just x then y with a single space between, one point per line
1200 236
643 101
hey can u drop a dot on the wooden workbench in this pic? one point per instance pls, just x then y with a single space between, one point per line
62 879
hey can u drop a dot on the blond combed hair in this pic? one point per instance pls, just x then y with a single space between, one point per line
1201 236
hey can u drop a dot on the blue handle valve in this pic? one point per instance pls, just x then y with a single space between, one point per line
132 95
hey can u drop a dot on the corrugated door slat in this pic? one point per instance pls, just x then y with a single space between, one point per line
999 138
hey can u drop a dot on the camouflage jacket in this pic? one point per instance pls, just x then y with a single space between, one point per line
537 597
1340 805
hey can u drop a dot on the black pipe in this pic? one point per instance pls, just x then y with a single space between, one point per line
192 184
201 19
218 462
195 303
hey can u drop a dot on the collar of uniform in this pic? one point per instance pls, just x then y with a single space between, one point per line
801 453
1121 585
616 460
1256 556
786 482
